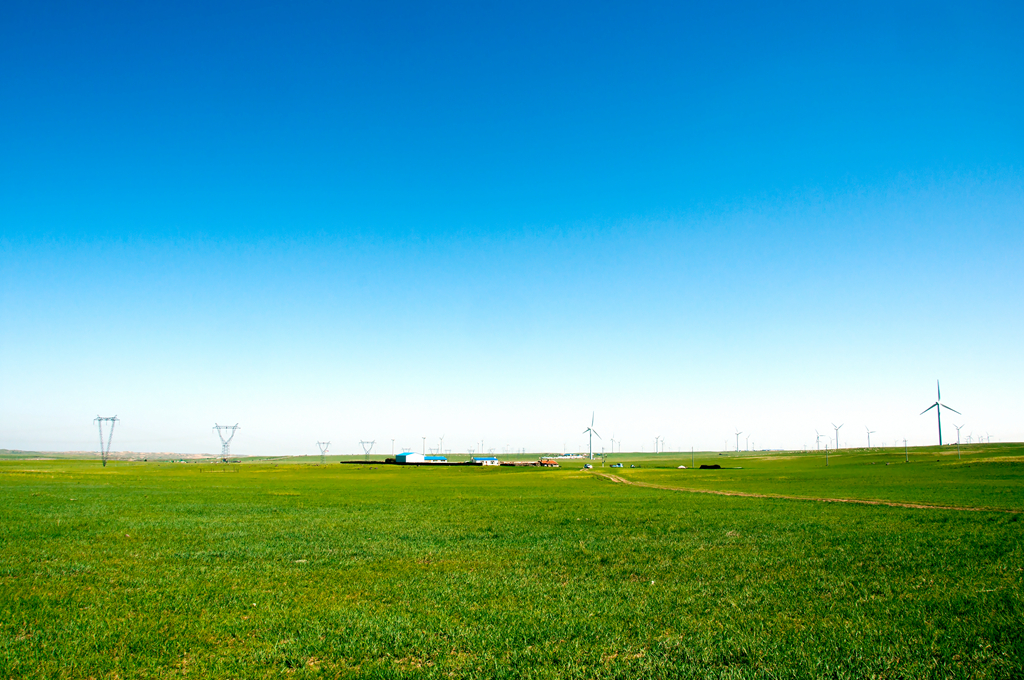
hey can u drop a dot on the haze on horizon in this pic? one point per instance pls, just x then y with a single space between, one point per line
485 222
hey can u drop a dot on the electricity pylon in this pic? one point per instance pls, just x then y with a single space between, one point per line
225 444
367 447
323 446
105 452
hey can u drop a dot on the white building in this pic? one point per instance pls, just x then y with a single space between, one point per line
409 458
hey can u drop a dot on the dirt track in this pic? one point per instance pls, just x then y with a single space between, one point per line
746 494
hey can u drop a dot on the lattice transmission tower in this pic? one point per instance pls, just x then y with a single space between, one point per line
105 451
367 447
323 446
225 444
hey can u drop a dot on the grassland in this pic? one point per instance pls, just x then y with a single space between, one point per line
263 570
987 476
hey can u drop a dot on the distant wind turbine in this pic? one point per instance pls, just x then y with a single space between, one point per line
837 434
870 432
591 432
938 406
957 440
738 433
817 440
837 442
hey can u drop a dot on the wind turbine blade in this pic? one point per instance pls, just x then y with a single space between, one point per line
951 409
928 409
591 418
596 434
938 391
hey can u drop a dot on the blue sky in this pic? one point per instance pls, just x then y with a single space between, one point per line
351 222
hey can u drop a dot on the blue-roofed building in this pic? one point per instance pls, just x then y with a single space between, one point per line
409 457
485 460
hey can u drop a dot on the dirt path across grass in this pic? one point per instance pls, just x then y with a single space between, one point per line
747 494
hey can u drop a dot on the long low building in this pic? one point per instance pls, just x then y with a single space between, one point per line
409 458
419 458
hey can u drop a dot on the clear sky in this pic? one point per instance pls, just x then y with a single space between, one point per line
485 221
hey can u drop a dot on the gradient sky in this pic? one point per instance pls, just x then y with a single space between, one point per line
341 221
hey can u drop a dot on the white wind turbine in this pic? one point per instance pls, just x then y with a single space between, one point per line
938 406
591 431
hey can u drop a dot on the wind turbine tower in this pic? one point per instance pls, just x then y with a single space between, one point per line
870 432
938 406
738 433
837 434
957 440
591 432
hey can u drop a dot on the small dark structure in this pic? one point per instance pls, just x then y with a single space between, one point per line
716 466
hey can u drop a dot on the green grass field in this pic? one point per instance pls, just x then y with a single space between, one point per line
264 570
